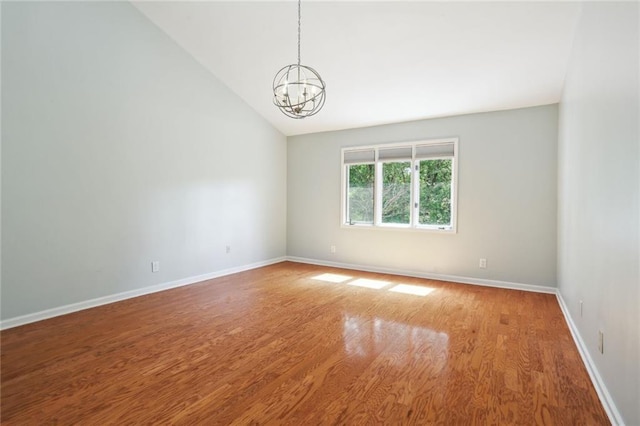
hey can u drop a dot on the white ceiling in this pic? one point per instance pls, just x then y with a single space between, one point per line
383 62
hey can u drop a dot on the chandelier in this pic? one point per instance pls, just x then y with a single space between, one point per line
298 90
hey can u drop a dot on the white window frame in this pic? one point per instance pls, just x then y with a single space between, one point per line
415 192
345 203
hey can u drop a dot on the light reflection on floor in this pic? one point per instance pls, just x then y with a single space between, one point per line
368 337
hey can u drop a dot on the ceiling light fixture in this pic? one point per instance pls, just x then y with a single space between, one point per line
298 90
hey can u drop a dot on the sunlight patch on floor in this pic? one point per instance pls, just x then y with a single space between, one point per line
332 278
368 283
415 290
411 289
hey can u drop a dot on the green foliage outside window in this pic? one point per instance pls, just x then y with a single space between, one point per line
361 183
396 192
434 187
435 192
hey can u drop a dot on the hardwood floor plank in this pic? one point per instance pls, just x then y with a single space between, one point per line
302 344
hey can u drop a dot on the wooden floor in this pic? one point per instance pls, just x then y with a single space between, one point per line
286 345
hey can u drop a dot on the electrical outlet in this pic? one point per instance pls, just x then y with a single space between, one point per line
155 266
581 308
333 249
600 341
228 249
483 263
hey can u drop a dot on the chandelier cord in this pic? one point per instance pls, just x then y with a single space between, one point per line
299 32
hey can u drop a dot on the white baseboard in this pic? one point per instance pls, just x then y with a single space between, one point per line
596 379
605 397
440 277
74 307
603 393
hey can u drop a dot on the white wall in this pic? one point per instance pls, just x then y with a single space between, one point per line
507 199
599 188
119 149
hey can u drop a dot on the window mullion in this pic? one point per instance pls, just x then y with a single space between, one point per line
377 193
414 194
345 187
415 187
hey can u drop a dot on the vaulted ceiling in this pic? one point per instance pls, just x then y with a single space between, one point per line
383 62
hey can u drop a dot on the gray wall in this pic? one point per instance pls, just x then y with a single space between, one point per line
507 199
119 149
599 187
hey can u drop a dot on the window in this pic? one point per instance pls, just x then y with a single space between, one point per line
410 185
396 192
360 178
360 201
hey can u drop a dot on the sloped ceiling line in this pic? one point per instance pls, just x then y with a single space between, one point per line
384 62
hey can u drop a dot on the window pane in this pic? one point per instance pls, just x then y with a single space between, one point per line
396 192
360 193
435 192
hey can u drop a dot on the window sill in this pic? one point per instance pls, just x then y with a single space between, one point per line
402 228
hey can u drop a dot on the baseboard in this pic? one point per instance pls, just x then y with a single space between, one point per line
92 303
440 277
601 389
603 393
594 375
79 306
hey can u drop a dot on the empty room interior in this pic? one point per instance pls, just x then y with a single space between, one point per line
320 212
